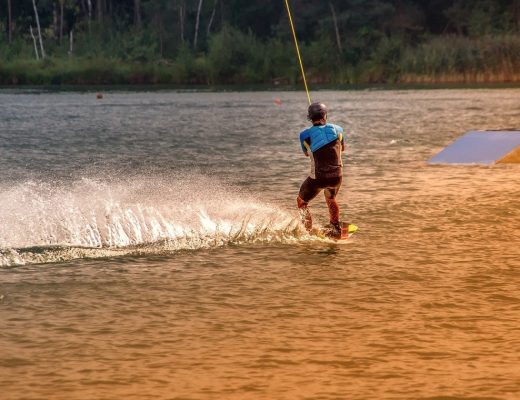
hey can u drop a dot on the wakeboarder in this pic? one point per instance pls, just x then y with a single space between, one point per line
323 142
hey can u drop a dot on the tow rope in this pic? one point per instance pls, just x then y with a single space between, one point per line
297 50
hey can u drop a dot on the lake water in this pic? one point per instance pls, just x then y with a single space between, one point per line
151 249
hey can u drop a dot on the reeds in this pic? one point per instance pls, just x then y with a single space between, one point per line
457 59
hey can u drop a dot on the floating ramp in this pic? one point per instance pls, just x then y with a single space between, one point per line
482 147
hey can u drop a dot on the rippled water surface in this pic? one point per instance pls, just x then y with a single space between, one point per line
150 249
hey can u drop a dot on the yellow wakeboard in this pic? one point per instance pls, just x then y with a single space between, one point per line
347 230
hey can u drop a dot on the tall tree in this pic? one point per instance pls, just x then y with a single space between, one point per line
197 21
39 29
89 5
516 14
211 18
137 13
182 15
336 29
34 43
100 10
55 23
9 21
62 3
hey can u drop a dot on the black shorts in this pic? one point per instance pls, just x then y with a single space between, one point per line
312 187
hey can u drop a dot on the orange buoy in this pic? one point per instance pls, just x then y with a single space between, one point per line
277 102
99 96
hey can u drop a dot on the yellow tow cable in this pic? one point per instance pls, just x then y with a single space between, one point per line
297 50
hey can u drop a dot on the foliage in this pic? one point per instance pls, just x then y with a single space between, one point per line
249 41
235 57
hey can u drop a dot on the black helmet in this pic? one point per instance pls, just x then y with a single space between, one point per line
317 111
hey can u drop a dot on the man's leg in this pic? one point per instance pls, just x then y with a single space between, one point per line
305 213
330 198
308 191
333 210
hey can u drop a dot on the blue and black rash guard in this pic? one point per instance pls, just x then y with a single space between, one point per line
324 143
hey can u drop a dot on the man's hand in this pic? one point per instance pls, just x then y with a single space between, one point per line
306 154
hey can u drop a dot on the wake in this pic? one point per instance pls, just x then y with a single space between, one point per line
48 222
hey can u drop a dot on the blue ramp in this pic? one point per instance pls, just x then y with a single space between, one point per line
481 147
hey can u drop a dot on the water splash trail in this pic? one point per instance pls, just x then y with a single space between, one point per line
47 222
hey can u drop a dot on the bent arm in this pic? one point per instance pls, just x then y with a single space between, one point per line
341 137
305 143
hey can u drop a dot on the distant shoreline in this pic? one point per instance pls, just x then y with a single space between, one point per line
101 71
260 87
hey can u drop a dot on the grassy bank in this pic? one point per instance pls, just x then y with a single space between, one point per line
463 60
78 71
236 58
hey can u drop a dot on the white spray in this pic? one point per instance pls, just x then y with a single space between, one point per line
172 213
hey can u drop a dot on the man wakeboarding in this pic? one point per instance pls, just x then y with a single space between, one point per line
323 143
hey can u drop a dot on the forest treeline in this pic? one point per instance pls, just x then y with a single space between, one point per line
249 41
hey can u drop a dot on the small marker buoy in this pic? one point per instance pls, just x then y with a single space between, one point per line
99 96
277 102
